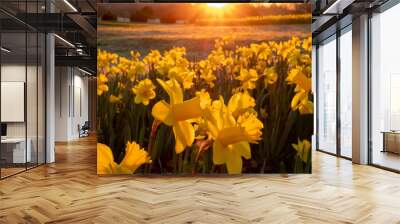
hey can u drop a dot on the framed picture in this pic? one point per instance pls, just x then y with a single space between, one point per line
212 88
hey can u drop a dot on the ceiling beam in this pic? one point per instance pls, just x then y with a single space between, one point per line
84 24
77 61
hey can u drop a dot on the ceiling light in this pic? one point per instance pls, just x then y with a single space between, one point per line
64 40
84 71
337 7
5 50
70 5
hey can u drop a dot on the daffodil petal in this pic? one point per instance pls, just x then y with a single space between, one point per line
304 82
187 110
243 148
219 153
105 159
162 111
234 162
173 89
211 122
297 99
240 102
184 135
138 99
231 135
307 108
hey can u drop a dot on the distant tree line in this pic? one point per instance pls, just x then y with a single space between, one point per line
171 13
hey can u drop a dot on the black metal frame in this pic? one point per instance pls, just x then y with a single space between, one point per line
338 98
44 75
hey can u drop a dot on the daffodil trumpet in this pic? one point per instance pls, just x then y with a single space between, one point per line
134 158
232 136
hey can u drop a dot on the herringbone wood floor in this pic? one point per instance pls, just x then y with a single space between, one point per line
69 191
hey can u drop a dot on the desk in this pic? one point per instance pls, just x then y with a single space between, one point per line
391 141
16 148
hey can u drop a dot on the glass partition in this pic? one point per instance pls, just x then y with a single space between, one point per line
22 88
327 95
13 104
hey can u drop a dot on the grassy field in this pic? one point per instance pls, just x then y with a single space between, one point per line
198 40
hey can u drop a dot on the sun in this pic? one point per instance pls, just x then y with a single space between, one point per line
216 5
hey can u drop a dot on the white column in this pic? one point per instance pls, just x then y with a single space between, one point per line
50 100
360 90
62 103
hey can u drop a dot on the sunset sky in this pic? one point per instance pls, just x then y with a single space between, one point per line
205 9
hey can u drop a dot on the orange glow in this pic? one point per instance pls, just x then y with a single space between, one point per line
216 5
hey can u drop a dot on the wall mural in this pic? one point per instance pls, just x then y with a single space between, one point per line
204 88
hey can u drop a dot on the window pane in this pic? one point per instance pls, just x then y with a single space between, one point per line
345 94
327 96
385 84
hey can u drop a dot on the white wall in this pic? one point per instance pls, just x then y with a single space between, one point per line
14 73
33 127
62 81
71 93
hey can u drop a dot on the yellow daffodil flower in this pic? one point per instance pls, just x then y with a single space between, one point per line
134 158
172 58
183 76
208 76
135 55
231 136
205 99
270 76
240 102
115 99
303 149
307 44
303 87
301 102
153 57
177 114
248 78
102 84
297 76
144 91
